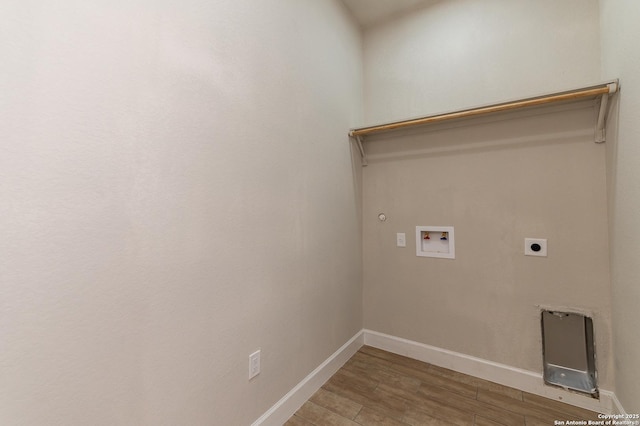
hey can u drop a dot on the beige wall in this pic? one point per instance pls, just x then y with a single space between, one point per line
620 58
459 53
496 181
177 191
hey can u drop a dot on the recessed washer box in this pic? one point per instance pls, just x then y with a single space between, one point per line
435 241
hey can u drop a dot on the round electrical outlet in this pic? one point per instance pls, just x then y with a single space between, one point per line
535 247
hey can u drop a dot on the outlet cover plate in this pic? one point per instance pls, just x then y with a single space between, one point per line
531 244
254 364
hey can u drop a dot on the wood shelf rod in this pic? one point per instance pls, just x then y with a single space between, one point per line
589 92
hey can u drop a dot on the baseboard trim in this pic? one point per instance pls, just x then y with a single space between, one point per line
289 404
507 375
617 405
525 380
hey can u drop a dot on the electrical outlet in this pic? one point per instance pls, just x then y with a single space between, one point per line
254 364
401 240
535 247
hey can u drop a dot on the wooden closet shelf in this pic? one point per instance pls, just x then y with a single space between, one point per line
601 91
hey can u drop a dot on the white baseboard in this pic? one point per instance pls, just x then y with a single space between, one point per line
617 406
289 404
525 380
518 378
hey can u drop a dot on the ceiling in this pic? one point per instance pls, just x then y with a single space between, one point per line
370 12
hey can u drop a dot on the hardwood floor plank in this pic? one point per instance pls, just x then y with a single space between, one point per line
371 360
336 403
382 375
383 402
369 417
387 376
348 379
321 416
474 381
482 421
491 412
581 413
431 413
524 408
534 421
298 421
501 389
430 378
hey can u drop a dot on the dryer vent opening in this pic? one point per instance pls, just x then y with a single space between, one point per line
569 352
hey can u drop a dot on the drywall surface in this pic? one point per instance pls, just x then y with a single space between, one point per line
462 53
370 12
620 58
177 191
496 181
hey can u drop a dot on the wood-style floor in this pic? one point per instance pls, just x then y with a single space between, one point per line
380 388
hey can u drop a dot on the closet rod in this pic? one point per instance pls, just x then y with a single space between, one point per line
572 95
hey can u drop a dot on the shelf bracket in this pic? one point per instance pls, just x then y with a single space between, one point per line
603 112
361 148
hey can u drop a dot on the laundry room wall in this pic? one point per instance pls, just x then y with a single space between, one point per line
620 33
497 180
177 192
